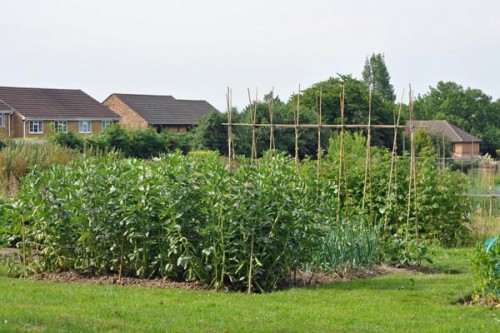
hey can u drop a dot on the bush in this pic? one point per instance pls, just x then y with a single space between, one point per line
182 141
138 143
146 144
486 270
69 139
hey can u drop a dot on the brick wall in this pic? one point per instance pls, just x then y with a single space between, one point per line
464 149
4 131
48 128
129 119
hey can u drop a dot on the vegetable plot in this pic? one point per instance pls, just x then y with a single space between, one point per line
178 217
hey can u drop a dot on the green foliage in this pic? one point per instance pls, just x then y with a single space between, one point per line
189 217
423 142
17 160
486 270
182 141
376 76
403 250
210 133
181 217
356 105
146 144
284 139
348 246
438 205
470 109
139 143
69 139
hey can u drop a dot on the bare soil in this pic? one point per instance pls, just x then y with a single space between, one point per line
299 278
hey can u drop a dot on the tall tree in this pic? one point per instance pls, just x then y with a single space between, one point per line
356 105
376 76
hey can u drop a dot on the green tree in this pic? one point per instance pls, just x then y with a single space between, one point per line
470 109
210 133
376 76
356 104
283 113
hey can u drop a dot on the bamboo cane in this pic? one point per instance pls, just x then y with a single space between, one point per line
341 154
271 120
297 117
320 121
230 143
253 115
392 170
368 149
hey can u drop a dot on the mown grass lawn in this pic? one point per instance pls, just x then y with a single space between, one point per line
400 302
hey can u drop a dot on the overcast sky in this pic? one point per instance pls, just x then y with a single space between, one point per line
195 49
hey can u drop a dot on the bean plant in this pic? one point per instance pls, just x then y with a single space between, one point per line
177 217
189 217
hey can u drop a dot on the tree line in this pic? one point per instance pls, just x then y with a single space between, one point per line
468 108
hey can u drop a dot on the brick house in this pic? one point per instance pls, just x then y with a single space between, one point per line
33 113
159 112
463 144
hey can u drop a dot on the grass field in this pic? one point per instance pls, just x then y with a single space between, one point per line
399 302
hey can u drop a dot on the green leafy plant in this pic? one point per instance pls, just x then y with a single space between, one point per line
486 270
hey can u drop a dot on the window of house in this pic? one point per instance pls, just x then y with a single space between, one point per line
61 126
85 126
2 120
105 124
36 127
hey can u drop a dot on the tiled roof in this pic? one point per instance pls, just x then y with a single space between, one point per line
166 110
45 103
4 106
450 131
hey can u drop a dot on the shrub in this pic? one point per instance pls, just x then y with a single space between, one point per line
145 144
486 270
69 139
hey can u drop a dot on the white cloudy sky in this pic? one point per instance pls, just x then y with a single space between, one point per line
195 49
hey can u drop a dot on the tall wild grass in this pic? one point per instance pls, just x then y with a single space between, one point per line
17 160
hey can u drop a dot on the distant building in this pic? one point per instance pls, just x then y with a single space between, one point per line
160 112
35 112
463 144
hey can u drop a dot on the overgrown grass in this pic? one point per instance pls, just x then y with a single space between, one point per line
484 227
401 302
17 160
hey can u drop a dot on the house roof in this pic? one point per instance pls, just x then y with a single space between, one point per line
5 107
450 131
42 103
166 110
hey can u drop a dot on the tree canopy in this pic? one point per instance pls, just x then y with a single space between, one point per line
377 78
470 109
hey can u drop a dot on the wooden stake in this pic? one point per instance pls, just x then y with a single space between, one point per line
271 120
368 149
392 171
341 154
230 141
297 117
250 266
253 115
320 122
